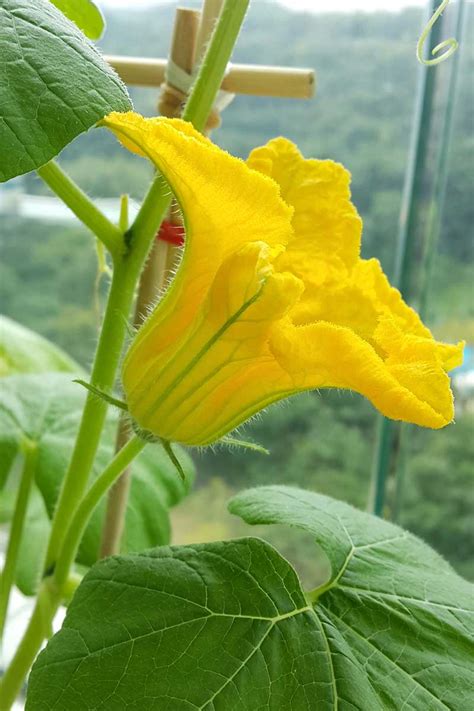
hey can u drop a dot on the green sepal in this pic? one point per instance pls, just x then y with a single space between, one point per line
243 444
116 402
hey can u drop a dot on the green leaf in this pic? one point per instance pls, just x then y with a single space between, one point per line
54 85
47 409
399 621
226 626
211 626
24 351
85 14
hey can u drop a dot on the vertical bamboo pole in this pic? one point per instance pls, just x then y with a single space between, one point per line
210 12
152 280
388 431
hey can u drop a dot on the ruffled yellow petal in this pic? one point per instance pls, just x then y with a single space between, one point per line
271 297
325 355
327 228
372 282
345 291
223 201
190 397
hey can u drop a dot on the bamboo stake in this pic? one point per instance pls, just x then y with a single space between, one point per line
210 12
252 79
152 280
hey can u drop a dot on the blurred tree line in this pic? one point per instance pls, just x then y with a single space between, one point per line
361 116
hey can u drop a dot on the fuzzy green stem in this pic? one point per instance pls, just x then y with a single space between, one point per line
214 63
60 586
84 511
114 329
38 629
127 270
16 528
76 199
70 586
93 417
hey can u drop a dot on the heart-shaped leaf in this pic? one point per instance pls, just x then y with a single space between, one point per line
46 408
399 621
211 626
24 351
54 85
226 625
85 14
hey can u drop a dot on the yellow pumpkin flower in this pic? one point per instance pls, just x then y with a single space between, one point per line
271 297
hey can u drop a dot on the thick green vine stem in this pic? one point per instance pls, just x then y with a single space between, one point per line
47 603
60 585
84 511
214 63
114 330
127 268
7 578
76 199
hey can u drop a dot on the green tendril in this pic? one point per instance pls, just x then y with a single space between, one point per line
451 44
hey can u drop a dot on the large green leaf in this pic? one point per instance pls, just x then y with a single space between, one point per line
24 351
226 626
399 622
46 409
54 85
85 14
211 626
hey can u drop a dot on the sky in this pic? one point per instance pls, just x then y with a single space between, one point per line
311 5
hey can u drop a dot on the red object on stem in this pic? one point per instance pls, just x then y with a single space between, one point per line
173 234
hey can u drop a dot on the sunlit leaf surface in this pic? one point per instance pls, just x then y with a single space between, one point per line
54 85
